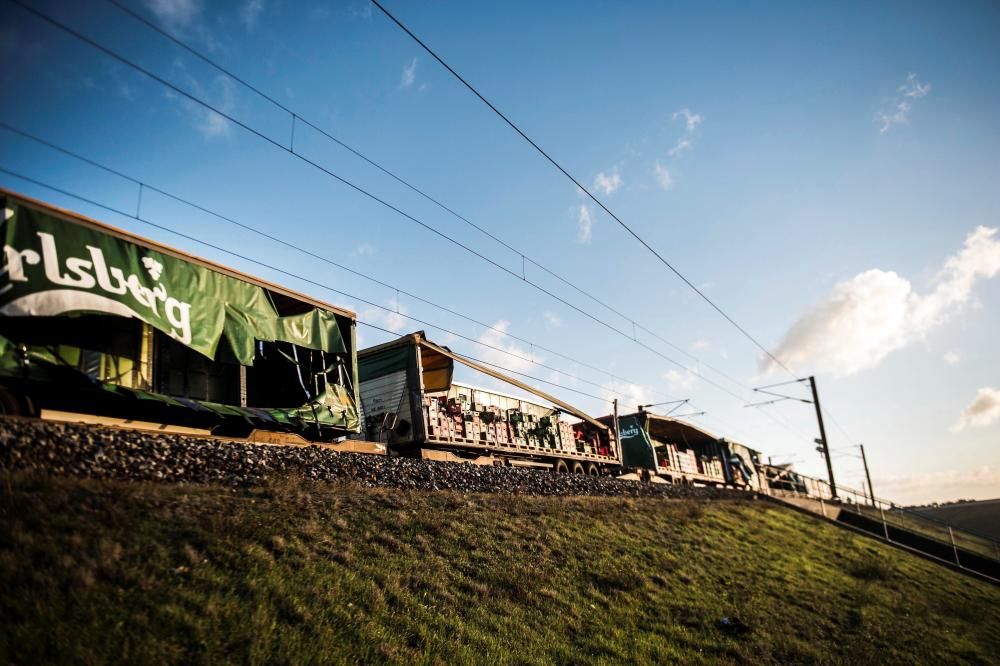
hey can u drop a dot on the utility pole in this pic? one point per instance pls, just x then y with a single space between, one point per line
871 491
822 435
618 438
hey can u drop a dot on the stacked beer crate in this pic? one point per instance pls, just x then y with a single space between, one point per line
712 467
567 436
518 428
687 462
444 421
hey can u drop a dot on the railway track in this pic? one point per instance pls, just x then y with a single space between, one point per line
100 452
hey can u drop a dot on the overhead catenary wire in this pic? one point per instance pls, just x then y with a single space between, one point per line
507 369
227 116
147 186
582 188
264 264
298 118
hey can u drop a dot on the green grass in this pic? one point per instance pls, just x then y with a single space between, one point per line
302 572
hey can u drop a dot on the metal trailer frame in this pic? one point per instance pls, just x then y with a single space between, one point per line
139 408
425 369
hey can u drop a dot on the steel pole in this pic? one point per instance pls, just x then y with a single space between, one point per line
822 436
871 491
618 439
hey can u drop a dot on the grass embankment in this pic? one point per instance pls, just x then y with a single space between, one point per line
105 572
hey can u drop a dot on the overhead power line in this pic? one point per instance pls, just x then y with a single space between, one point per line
580 185
139 218
153 188
510 370
290 149
298 118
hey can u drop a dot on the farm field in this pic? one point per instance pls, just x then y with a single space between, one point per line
982 517
299 571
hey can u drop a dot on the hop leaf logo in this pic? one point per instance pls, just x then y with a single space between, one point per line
153 267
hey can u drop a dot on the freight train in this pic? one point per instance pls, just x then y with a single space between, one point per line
100 325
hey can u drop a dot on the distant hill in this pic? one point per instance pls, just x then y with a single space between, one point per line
982 517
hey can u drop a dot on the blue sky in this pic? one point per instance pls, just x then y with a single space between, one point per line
817 170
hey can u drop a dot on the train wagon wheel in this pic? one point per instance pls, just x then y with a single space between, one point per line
592 470
578 468
561 467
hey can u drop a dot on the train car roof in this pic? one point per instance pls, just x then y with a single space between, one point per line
174 252
672 429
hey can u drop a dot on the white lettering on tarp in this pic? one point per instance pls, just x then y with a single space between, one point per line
102 273
87 274
179 316
630 431
14 261
50 261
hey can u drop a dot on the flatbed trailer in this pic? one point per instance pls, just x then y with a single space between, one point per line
410 401
660 447
101 325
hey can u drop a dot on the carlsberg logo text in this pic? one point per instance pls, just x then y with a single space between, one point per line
88 273
630 431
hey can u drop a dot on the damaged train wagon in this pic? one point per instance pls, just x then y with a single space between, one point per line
663 448
99 324
411 403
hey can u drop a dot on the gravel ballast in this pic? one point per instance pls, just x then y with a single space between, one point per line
121 454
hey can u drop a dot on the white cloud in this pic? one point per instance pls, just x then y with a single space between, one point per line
409 74
691 120
912 89
982 411
551 319
680 381
979 483
212 124
389 319
629 396
175 13
221 94
698 345
877 312
514 356
365 250
952 357
608 183
663 177
250 13
679 147
584 224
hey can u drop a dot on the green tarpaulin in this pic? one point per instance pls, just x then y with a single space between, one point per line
333 407
56 267
637 449
379 364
